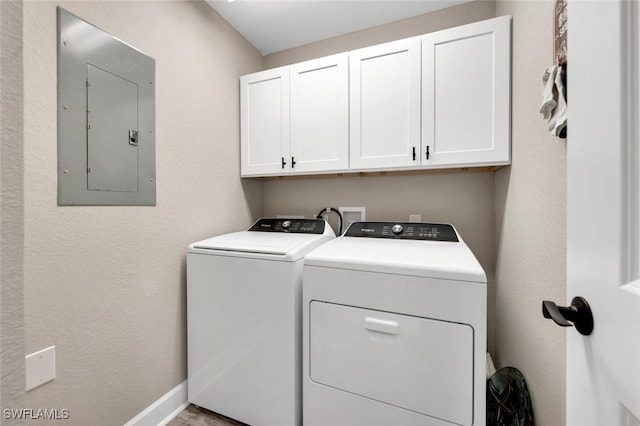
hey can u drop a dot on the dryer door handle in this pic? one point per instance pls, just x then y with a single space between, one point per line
381 325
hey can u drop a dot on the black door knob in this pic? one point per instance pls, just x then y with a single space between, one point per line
578 315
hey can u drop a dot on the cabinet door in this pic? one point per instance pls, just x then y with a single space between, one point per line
320 115
385 105
264 122
466 77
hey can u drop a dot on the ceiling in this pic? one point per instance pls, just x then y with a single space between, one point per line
275 25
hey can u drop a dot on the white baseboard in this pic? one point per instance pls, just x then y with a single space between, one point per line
164 409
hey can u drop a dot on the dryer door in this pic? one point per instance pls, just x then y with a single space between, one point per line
418 364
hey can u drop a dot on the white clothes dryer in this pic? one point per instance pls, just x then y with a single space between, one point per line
244 316
394 328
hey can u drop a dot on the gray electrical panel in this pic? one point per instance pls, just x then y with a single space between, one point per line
106 118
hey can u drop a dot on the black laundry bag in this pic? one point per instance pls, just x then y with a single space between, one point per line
508 400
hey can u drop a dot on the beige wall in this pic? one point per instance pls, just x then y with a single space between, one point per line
11 207
531 222
463 199
106 285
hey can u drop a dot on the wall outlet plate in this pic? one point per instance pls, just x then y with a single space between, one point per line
40 367
352 214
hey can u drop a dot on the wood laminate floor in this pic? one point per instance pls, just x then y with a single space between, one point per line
196 416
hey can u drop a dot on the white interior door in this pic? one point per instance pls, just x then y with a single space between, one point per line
603 246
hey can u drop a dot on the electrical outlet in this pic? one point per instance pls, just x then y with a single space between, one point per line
40 367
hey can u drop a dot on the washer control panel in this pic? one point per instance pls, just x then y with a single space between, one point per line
403 231
294 226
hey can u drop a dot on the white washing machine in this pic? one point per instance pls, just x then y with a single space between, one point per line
394 328
244 316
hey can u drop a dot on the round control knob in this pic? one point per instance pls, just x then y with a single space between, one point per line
397 229
286 224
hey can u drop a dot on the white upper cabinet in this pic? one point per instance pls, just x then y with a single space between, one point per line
264 122
384 117
466 95
319 115
441 100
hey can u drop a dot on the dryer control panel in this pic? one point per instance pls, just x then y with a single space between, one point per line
294 226
403 231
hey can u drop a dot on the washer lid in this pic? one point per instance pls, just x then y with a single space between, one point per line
256 242
425 258
275 240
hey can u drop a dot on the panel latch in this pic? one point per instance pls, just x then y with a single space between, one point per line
133 137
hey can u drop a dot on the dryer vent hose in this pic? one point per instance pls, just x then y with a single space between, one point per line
329 210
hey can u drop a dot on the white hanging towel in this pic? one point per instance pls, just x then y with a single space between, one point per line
549 100
558 120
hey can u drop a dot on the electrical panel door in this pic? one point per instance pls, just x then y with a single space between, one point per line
106 118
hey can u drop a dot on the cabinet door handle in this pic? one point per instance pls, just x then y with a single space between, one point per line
414 153
427 152
284 163
293 162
